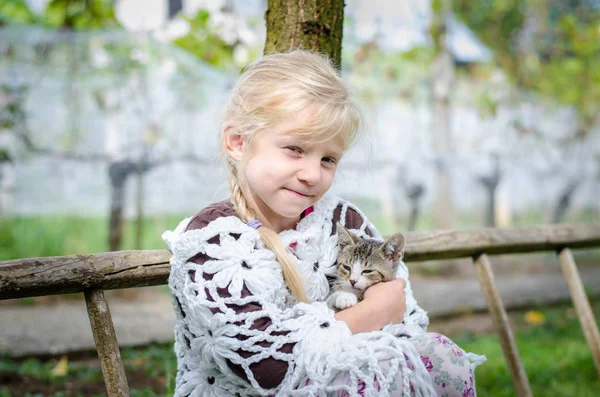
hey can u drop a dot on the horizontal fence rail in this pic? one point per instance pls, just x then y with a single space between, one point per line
76 273
452 244
127 269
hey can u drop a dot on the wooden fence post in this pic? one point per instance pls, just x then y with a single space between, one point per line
106 344
507 340
581 303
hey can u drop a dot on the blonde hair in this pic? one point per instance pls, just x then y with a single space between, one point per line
266 94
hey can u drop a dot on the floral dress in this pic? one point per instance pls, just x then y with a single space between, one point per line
450 370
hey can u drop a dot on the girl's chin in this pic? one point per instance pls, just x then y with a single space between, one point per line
290 214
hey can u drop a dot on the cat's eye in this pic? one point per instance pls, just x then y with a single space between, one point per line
346 267
368 271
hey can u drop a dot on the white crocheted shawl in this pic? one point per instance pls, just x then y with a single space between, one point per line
324 348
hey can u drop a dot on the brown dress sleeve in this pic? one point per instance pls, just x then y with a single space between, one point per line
353 220
269 372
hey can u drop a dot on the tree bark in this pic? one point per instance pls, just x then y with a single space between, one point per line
314 25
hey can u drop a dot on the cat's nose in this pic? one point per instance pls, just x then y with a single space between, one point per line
353 282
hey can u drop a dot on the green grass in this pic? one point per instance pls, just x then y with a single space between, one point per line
555 356
150 372
29 237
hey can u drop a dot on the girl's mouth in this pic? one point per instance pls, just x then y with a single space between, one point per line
298 193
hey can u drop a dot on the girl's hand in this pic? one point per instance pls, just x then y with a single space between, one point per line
382 304
390 298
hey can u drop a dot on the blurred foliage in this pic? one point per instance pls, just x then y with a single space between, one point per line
16 12
81 14
378 74
27 237
551 47
203 42
4 156
202 39
66 14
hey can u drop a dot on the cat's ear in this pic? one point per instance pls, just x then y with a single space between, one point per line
345 238
393 248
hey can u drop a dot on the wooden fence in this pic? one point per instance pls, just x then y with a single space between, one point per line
92 274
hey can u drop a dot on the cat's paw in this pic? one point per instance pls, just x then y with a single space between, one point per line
345 300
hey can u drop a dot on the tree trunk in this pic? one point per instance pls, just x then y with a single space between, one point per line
174 7
443 81
564 201
118 173
490 216
310 25
503 207
115 233
139 203
415 194
490 184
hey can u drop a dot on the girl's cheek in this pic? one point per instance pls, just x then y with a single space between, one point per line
329 179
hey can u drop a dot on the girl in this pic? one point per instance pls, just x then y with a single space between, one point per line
249 274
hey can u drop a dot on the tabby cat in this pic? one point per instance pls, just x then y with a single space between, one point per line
362 263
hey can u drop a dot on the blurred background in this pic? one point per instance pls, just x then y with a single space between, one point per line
110 113
477 114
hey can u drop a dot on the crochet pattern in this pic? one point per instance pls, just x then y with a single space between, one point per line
219 302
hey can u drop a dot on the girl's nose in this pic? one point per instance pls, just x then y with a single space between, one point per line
310 173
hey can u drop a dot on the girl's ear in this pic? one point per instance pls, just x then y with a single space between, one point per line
345 238
393 248
235 144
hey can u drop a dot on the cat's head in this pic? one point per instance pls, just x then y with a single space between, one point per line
366 262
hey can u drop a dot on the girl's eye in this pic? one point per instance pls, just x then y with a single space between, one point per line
330 160
294 149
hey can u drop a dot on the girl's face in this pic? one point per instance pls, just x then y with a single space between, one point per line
286 175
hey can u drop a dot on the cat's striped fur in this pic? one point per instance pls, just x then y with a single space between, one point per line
361 264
